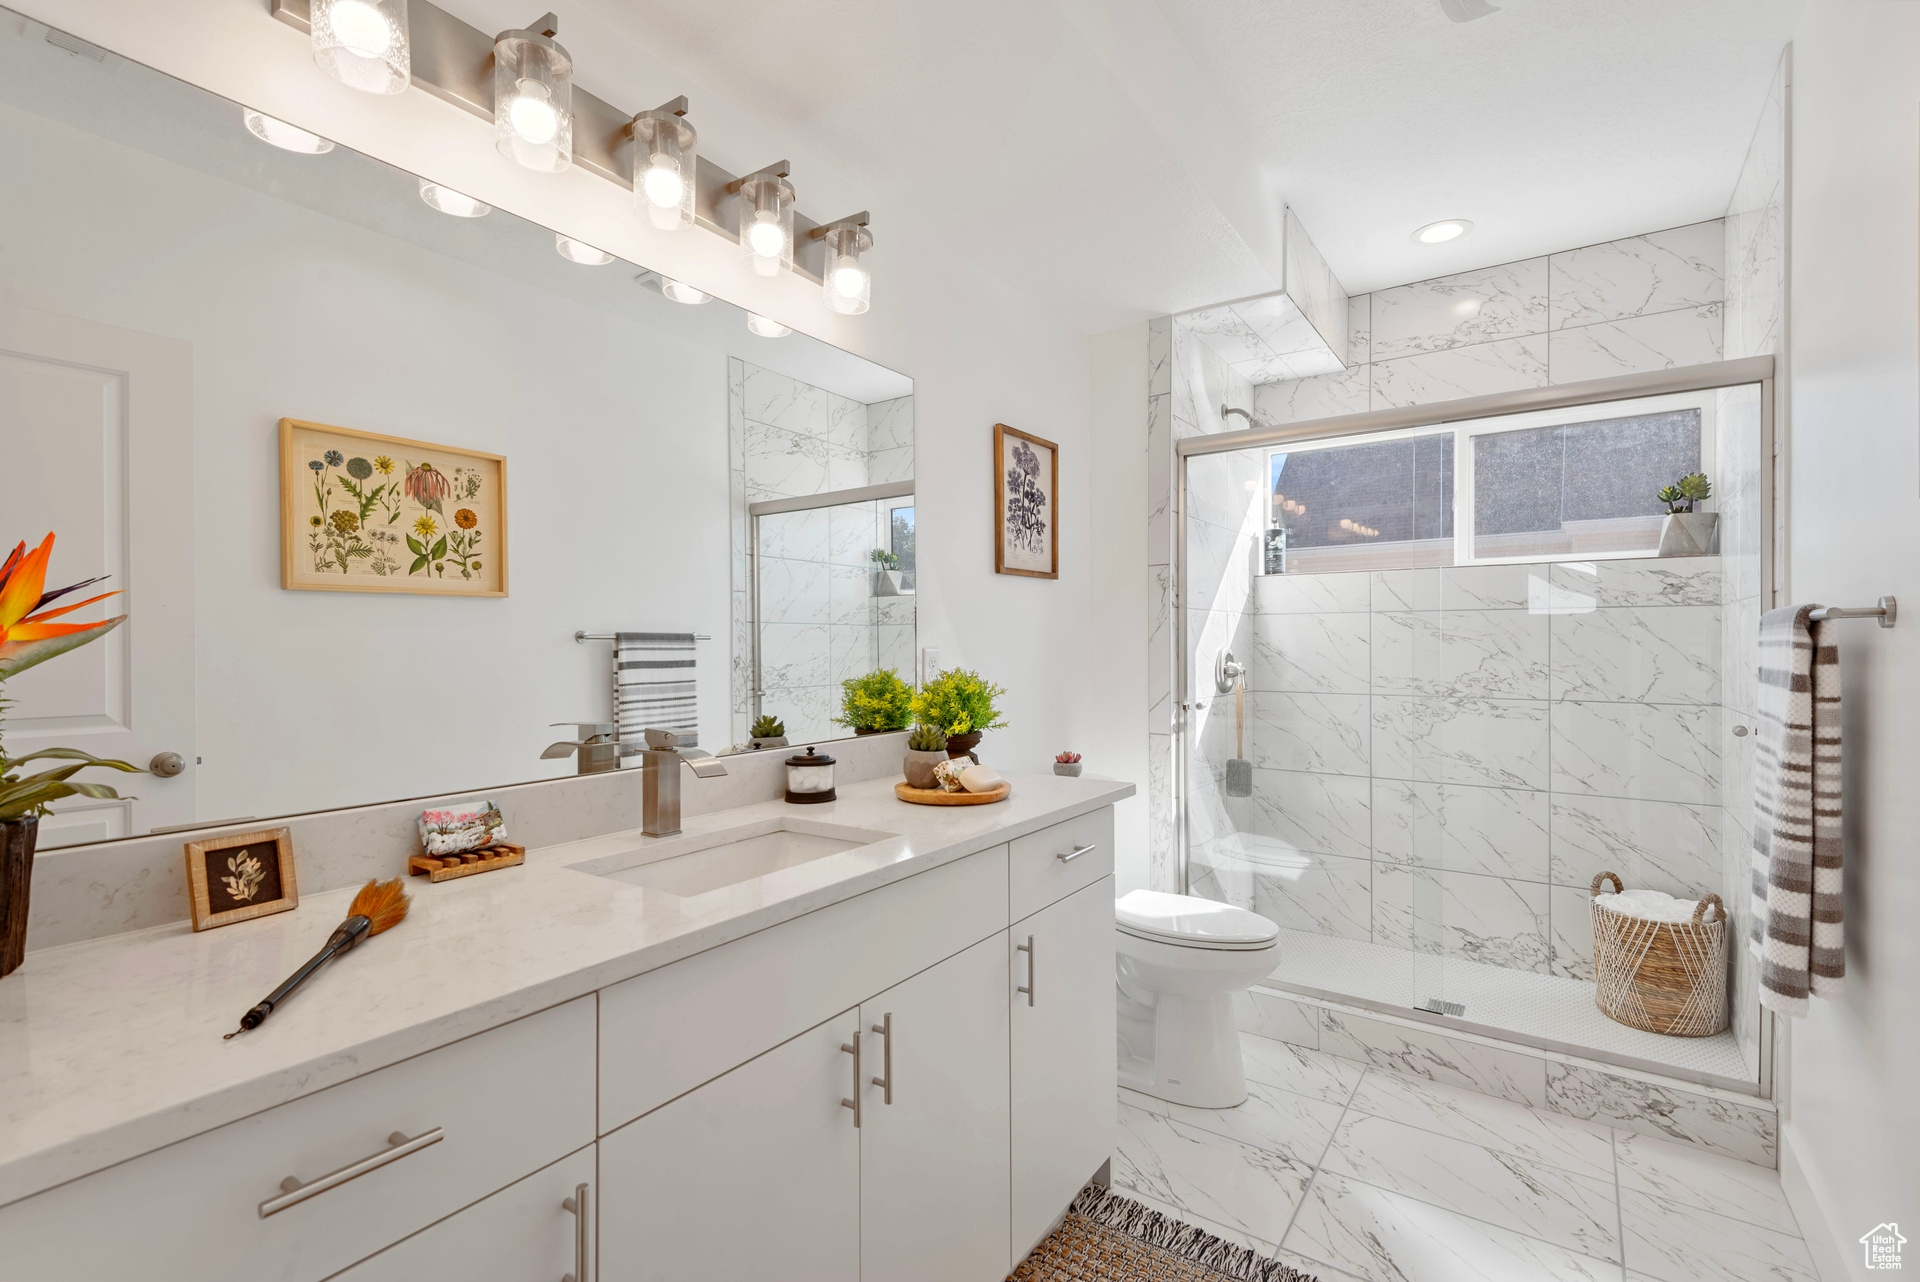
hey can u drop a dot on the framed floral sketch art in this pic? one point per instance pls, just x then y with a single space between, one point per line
1026 512
360 512
241 876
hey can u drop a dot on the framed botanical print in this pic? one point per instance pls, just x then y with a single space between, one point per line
241 876
1026 511
361 512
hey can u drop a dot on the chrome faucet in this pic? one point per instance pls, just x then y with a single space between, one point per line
660 766
596 746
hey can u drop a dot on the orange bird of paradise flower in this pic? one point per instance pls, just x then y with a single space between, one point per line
28 634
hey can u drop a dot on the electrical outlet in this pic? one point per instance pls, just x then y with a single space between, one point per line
929 663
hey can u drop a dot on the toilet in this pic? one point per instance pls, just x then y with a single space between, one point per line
1181 961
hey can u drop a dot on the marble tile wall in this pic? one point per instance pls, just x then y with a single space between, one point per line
1643 303
822 621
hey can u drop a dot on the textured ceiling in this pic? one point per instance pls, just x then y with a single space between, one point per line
1099 154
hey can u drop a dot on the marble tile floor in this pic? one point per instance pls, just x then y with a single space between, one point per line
1351 1173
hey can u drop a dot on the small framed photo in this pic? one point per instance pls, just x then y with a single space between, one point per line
241 875
1026 525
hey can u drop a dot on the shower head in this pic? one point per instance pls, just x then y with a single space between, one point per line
1228 411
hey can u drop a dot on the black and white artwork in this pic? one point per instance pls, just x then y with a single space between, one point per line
1027 474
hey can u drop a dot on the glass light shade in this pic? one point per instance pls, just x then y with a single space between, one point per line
680 293
766 223
533 101
283 135
767 328
664 167
449 201
578 251
363 43
846 283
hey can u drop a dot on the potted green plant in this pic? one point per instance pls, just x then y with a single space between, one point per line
887 578
768 732
926 749
28 637
876 703
1067 763
1687 531
961 703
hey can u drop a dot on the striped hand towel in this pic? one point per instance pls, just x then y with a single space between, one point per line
654 688
1796 935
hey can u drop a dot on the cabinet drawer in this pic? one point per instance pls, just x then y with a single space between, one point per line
667 1031
504 1102
1043 869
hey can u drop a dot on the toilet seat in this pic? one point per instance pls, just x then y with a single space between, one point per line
1187 921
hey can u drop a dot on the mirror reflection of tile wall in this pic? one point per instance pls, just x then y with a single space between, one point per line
824 613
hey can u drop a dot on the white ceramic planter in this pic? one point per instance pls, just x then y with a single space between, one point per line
1688 533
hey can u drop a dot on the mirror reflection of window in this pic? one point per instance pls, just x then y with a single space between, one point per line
900 534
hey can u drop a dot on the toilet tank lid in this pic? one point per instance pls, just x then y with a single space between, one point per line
1154 912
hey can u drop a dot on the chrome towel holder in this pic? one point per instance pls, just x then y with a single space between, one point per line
1887 609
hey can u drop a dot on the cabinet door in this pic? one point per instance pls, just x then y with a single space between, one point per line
755 1175
521 1233
933 1162
1063 1056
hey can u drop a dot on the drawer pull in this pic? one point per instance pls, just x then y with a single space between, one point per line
1027 988
294 1192
578 1205
854 1103
885 1081
1077 851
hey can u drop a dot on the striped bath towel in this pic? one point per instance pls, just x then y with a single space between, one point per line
1796 934
654 688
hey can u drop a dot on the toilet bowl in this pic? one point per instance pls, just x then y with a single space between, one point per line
1181 959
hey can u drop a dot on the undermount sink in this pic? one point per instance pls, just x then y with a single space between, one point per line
699 863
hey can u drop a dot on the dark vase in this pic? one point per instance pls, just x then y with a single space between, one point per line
871 730
962 745
16 879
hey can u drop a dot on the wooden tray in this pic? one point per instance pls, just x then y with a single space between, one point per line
446 867
935 797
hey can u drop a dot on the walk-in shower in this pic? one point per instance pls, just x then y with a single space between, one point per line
1467 684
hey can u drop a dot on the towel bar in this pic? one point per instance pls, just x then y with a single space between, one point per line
1886 610
608 636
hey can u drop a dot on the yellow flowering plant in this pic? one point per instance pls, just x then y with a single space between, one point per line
878 701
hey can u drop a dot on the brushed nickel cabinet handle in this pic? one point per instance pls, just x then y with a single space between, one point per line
1027 948
885 1081
854 1103
1076 852
578 1205
293 1192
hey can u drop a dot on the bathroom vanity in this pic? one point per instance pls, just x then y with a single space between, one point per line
873 1041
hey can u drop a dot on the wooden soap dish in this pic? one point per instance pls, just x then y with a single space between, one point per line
502 854
935 797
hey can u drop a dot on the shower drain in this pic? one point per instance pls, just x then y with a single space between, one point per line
1438 1006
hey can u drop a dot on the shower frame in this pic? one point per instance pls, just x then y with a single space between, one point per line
1754 370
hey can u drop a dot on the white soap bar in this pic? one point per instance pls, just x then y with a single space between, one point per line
980 779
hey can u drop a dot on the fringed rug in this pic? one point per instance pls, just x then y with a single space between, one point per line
1108 1238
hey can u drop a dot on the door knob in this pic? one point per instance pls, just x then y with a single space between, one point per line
167 764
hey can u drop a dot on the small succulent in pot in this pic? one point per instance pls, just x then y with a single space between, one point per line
1067 763
1687 493
926 749
873 704
962 704
1687 531
768 732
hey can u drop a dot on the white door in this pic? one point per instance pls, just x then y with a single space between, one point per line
933 1162
1063 1058
96 426
754 1176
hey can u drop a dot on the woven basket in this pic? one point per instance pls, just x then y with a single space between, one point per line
1664 977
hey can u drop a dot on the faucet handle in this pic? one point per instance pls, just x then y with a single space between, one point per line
662 740
589 730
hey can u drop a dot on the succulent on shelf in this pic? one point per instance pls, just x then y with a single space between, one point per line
885 559
926 738
768 728
1068 758
1687 493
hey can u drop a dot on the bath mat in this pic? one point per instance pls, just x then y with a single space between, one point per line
1109 1238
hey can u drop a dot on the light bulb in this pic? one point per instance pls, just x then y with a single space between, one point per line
1445 230
767 328
765 238
577 251
664 186
361 28
532 115
283 135
680 293
449 201
849 280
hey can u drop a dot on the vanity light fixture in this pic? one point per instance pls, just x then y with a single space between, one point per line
364 44
283 135
533 97
449 201
681 293
845 281
578 251
664 165
767 328
766 219
1443 231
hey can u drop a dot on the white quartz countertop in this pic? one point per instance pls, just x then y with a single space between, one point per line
112 1048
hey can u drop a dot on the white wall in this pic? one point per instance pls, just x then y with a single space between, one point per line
1852 1114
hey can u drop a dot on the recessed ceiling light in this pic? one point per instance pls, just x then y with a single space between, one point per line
449 201
767 328
680 293
283 135
578 251
1445 230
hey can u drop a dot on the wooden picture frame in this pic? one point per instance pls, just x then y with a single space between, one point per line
1026 525
241 876
363 512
